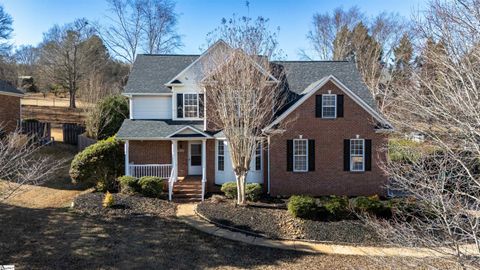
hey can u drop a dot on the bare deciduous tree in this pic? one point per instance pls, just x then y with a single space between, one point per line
21 164
6 30
67 55
243 93
141 26
444 179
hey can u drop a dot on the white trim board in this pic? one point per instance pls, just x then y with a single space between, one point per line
191 128
314 87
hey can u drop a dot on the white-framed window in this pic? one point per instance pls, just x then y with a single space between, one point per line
300 155
220 155
329 106
357 155
190 106
258 157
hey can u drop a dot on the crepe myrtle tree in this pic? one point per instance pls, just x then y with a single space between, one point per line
22 164
242 93
442 179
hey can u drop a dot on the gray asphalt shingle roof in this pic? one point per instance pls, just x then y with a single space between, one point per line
150 73
300 74
151 129
8 88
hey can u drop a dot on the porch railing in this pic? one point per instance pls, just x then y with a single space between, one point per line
160 170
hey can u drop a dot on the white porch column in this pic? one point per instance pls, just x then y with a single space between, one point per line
174 158
174 173
127 158
204 167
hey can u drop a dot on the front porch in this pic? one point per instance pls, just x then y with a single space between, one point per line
180 161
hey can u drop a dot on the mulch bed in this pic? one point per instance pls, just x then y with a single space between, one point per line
125 205
279 224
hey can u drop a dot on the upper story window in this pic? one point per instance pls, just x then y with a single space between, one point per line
329 106
190 105
357 155
300 155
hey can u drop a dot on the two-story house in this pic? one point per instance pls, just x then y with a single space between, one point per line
333 143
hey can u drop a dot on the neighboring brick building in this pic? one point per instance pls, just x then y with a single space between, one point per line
10 110
332 141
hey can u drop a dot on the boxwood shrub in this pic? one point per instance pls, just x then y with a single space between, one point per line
336 206
129 184
99 164
151 186
302 206
253 191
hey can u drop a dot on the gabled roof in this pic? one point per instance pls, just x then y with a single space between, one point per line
301 74
150 72
8 89
314 87
156 129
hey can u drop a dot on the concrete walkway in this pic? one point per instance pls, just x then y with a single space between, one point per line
186 213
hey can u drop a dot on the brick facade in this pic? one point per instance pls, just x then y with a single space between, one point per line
9 112
329 178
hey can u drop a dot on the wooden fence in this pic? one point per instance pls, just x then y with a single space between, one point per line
84 142
40 132
71 132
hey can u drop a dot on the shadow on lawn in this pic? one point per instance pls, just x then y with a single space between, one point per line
58 238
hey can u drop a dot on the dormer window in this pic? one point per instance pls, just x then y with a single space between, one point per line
190 105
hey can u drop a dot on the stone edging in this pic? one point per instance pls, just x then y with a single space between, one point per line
186 213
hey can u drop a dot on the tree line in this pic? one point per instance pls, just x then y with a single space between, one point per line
85 58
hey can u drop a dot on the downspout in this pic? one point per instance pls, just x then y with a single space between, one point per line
268 164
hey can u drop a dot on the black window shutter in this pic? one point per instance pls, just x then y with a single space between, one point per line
289 155
201 105
179 105
311 155
318 106
368 155
346 155
339 105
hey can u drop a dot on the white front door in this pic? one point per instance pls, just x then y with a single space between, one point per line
194 158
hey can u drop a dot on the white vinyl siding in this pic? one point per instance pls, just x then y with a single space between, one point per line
227 174
300 155
151 107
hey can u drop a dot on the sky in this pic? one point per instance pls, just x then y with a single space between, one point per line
198 17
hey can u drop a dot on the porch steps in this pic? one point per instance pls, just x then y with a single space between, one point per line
188 189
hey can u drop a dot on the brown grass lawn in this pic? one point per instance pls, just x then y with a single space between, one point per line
58 192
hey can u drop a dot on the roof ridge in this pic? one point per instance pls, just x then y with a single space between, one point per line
166 54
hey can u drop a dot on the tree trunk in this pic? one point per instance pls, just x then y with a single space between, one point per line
72 100
241 182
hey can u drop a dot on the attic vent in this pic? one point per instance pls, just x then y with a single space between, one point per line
176 82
